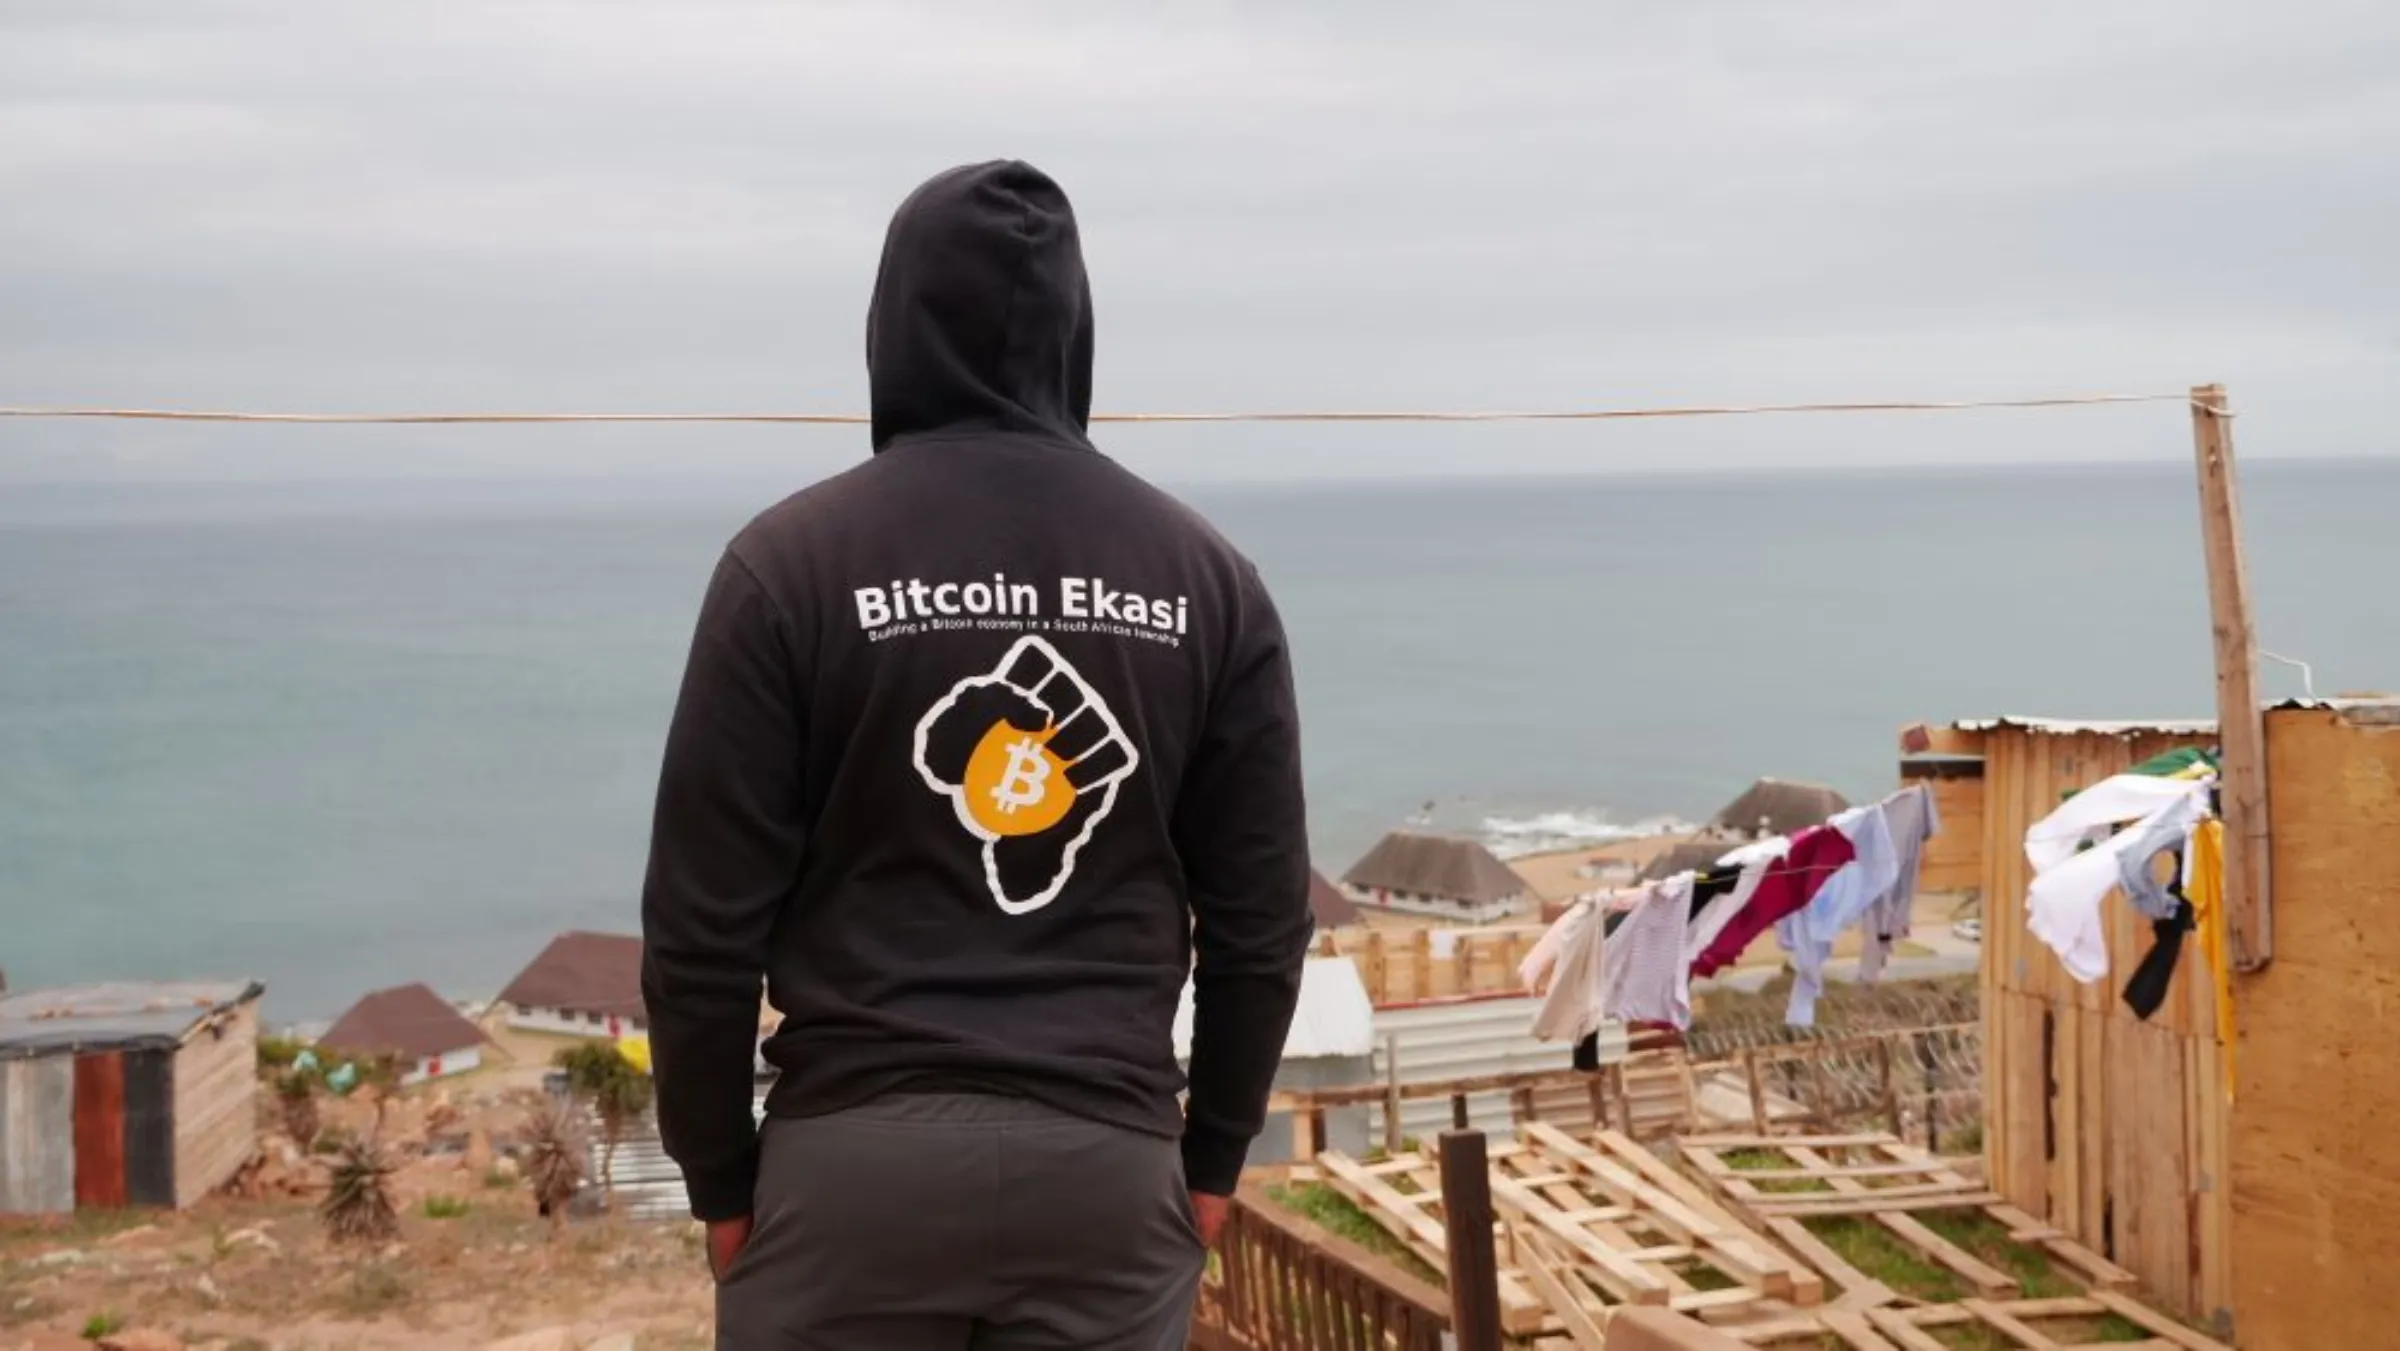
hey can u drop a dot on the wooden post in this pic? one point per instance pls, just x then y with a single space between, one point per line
1458 1111
1392 1139
2241 729
1891 1091
1467 1239
1758 1091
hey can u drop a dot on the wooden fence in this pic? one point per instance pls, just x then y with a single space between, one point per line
1405 965
1280 1283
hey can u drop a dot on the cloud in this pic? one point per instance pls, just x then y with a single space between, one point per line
663 205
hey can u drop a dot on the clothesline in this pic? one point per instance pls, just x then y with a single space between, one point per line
1356 416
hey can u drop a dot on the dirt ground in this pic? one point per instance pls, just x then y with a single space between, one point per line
241 1275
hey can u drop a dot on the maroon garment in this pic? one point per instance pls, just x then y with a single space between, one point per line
1816 854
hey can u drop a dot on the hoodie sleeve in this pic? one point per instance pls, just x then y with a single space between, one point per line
1240 827
725 848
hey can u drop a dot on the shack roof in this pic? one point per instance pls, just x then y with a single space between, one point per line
1698 855
1446 866
2085 727
1326 903
1783 806
1334 1017
585 973
409 1019
116 1015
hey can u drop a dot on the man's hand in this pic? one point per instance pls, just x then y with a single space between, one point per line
726 1239
1208 1214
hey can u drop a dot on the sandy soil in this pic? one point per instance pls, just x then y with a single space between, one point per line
261 1276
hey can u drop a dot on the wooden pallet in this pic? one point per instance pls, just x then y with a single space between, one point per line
2029 1324
1586 1225
1877 1175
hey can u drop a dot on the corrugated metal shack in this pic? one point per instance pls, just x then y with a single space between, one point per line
125 1094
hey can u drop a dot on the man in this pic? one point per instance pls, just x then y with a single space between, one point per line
983 746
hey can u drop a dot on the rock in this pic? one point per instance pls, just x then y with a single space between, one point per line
131 1237
505 1168
610 1341
64 1257
142 1339
548 1339
478 1158
208 1289
256 1238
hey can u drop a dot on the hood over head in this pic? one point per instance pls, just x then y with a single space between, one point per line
982 317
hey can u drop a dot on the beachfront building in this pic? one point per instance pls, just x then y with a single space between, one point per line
431 1038
1778 807
1327 905
1442 876
127 1094
582 985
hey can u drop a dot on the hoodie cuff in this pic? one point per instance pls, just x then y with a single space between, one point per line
1212 1160
725 1192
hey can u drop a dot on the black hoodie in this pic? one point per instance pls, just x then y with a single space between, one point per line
980 745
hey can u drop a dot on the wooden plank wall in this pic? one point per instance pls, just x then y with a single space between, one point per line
37 1136
2098 1120
216 1122
1403 966
2315 1189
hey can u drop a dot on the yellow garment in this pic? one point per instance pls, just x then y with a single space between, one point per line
2207 895
636 1050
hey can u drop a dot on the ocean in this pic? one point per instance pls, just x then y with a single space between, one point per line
338 737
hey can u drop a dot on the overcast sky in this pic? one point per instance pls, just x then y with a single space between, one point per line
677 205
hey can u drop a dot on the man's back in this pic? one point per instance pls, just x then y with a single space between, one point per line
977 740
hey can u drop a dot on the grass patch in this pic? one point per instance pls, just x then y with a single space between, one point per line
445 1208
498 1180
1703 1277
1331 1210
2082 1331
104 1324
1881 1256
1988 1239
1754 1160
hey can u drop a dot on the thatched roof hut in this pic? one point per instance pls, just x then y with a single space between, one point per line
1437 875
1778 807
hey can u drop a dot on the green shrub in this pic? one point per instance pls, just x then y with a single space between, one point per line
106 1324
445 1207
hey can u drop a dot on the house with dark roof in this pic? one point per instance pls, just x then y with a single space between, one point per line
584 984
1327 905
1778 807
431 1038
1440 875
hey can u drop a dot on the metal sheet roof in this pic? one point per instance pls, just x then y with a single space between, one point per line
116 1015
1334 1018
2077 727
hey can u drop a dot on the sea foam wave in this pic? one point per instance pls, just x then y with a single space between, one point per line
1514 837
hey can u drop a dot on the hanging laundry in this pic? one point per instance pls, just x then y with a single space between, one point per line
1643 977
2063 907
1912 819
2137 871
1809 932
1752 860
2206 890
2148 987
1564 968
1815 854
2088 815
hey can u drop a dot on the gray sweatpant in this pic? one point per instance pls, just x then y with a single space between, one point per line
960 1222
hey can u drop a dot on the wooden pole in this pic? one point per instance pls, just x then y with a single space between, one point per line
1467 1239
1392 1139
2241 729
